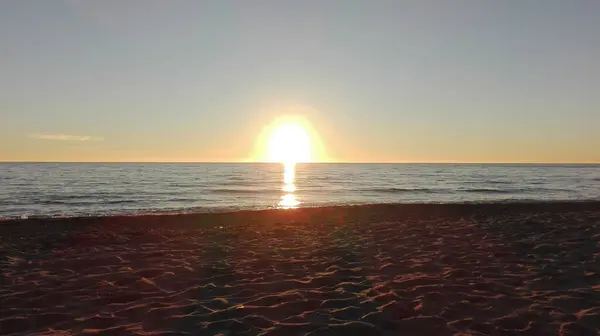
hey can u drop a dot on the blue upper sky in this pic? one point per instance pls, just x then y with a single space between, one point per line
185 80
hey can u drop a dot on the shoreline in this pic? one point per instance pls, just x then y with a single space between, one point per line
445 208
384 269
462 206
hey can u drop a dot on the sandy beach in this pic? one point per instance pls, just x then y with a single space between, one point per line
495 269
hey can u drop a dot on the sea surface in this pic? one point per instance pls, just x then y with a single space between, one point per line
100 189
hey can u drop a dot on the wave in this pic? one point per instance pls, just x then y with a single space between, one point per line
77 201
240 191
489 182
566 203
488 190
508 191
86 200
458 190
405 190
240 183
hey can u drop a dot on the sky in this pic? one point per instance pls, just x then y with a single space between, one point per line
378 81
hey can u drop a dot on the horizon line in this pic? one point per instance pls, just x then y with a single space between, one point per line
326 162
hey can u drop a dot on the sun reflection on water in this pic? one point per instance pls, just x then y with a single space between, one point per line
288 200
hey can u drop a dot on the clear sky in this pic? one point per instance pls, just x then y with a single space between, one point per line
179 80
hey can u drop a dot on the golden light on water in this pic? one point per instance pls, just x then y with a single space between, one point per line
288 200
289 143
289 139
289 188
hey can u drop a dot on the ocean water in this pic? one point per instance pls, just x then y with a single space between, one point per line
98 189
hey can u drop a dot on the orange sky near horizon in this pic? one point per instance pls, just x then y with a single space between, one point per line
327 144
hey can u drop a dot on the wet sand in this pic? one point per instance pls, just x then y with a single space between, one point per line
494 269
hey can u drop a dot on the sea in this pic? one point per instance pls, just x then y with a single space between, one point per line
29 190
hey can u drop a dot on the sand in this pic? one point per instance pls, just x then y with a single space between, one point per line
531 269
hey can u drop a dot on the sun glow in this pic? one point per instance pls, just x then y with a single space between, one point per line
289 143
289 137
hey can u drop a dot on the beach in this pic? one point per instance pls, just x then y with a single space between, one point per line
421 269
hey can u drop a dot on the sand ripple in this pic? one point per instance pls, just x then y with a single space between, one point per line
344 271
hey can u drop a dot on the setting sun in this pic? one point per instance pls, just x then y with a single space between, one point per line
289 143
289 137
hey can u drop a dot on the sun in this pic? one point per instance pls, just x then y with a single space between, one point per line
289 143
289 137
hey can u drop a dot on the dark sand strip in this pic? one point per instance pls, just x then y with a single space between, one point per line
470 269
